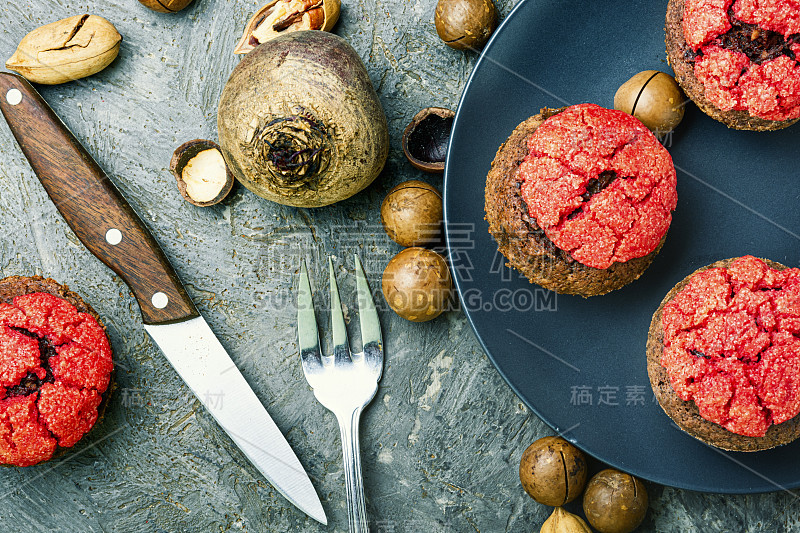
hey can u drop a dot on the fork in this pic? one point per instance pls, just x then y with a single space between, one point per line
344 382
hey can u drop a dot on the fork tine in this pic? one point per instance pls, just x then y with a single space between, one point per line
307 332
367 314
341 346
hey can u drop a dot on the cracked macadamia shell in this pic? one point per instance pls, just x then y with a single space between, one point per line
552 471
465 24
654 98
411 214
615 502
417 284
314 15
165 6
426 137
299 121
201 174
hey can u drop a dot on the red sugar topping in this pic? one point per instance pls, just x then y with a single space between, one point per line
782 16
732 345
766 88
599 184
54 365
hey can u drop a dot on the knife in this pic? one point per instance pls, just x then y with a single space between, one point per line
111 230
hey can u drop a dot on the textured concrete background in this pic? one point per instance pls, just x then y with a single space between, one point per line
441 441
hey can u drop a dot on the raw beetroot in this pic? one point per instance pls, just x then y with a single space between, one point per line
300 123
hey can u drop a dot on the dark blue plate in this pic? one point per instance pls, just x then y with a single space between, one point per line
580 364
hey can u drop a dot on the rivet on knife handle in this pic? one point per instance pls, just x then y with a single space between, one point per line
91 204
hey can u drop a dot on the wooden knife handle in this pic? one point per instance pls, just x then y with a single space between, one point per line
92 205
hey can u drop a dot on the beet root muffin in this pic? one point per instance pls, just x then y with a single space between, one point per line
738 59
723 354
55 369
579 199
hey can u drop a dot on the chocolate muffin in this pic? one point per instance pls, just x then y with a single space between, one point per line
723 354
55 369
738 60
579 199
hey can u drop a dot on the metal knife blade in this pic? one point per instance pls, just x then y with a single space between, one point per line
111 230
198 357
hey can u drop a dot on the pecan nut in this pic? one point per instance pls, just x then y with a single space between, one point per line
66 50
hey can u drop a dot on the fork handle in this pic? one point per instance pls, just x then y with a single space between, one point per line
356 509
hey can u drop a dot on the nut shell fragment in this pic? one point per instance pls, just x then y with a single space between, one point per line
66 50
284 16
201 173
426 137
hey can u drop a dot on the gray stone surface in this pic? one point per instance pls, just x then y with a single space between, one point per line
442 440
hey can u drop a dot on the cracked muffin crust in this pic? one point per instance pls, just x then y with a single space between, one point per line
723 354
55 369
737 59
579 199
